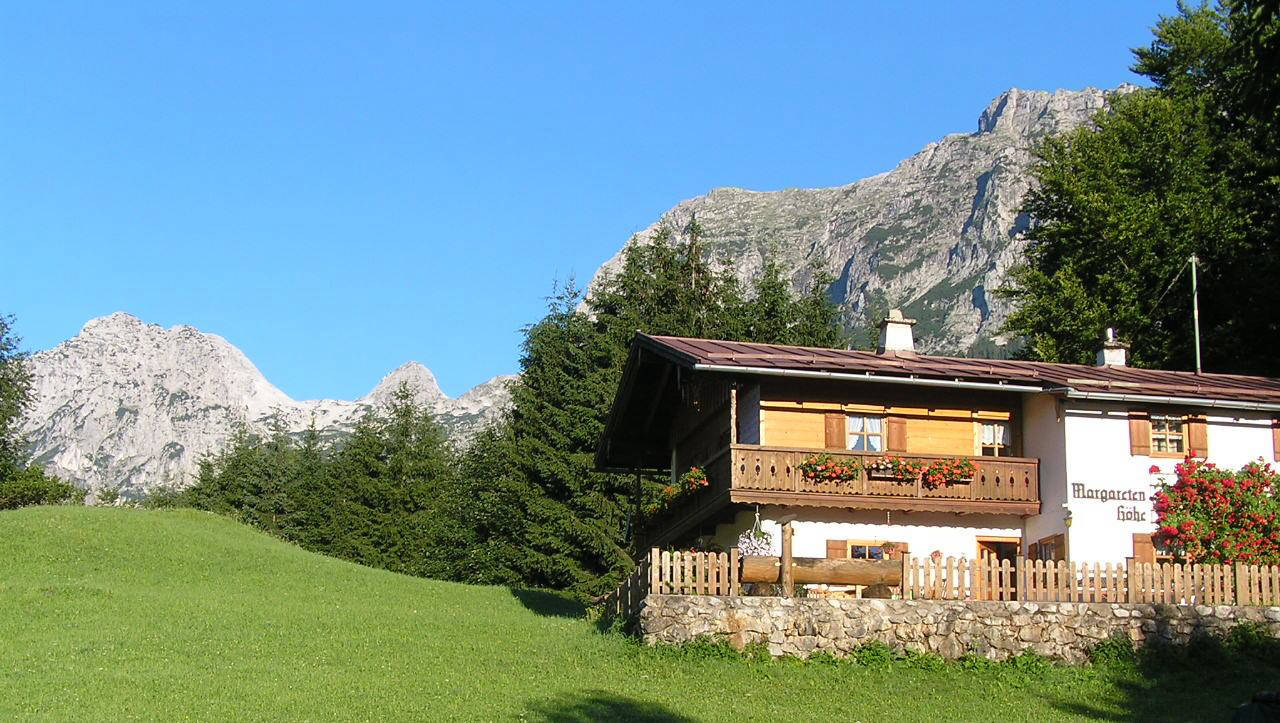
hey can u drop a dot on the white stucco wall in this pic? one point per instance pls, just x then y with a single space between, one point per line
1234 441
1044 437
1098 461
1083 448
923 532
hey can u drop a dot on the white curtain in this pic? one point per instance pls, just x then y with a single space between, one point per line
995 433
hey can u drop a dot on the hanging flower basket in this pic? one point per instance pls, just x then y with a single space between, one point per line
689 483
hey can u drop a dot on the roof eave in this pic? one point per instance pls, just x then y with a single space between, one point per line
1211 402
869 377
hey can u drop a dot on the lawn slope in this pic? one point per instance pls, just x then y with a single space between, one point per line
117 613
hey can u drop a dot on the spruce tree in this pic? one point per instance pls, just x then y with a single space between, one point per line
564 525
15 395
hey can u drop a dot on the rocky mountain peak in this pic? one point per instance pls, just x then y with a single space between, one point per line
934 236
129 405
114 322
419 378
1033 113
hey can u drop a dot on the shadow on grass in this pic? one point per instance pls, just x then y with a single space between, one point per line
550 604
1208 678
599 705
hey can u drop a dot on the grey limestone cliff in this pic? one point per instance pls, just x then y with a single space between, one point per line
130 406
934 236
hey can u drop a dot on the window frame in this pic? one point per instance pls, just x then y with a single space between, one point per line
1002 450
1051 548
877 544
1168 435
849 434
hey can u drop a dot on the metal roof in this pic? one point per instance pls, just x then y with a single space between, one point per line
1077 377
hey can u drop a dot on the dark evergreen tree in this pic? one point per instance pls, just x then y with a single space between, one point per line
373 499
564 525
21 484
15 394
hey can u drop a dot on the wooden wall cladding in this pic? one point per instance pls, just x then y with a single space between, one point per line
918 430
927 435
786 428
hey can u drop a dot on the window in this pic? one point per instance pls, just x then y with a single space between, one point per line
866 434
1050 548
866 550
996 439
1167 434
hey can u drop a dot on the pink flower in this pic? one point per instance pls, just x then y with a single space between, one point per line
1155 469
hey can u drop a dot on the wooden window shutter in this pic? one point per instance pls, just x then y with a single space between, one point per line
837 549
1275 439
1033 551
895 434
1140 434
900 550
1198 435
1143 549
1060 547
836 438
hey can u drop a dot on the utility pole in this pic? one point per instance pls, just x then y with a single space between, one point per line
1195 308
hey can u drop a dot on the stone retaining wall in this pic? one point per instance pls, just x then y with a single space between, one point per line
950 628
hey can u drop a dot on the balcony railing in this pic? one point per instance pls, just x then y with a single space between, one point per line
754 474
1014 480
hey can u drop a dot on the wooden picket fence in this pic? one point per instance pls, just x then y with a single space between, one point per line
624 603
709 573
1063 581
694 573
674 573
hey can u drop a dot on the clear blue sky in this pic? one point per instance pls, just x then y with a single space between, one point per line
340 188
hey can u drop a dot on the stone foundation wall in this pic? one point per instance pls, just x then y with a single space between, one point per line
951 628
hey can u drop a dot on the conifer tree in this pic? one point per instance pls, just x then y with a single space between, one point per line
566 525
15 394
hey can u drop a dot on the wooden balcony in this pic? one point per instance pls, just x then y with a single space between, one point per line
754 474
771 475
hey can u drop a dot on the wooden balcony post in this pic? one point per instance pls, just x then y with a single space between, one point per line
788 583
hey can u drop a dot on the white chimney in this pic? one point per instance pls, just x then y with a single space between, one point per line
895 333
1113 351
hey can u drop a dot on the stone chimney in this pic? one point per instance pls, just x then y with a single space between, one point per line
895 334
1113 351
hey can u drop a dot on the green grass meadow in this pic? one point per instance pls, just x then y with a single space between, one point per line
111 614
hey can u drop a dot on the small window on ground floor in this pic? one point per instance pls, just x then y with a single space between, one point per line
866 550
1050 548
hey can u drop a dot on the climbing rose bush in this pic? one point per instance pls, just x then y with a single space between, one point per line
1212 515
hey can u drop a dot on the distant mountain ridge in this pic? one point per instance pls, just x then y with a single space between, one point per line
130 406
934 236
